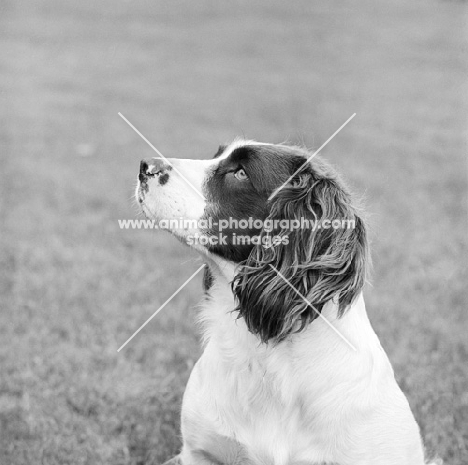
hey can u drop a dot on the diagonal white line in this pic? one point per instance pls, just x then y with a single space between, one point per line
160 308
161 155
313 308
313 155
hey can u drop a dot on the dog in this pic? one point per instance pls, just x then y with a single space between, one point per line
292 372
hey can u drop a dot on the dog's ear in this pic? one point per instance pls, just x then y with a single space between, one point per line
318 263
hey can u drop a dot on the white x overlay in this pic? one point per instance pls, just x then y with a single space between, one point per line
161 155
203 266
313 308
160 308
313 155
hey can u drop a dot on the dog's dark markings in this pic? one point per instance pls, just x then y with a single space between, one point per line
207 279
320 264
230 198
220 151
163 179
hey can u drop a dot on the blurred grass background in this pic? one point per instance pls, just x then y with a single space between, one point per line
191 75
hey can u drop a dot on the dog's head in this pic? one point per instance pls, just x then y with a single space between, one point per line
289 225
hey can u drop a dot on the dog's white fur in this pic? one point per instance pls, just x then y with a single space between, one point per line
308 400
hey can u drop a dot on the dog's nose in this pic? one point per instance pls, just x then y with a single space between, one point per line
151 167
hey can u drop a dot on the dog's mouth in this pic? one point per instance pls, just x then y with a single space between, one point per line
140 193
143 186
145 210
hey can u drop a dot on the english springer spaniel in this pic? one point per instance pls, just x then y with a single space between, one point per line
292 372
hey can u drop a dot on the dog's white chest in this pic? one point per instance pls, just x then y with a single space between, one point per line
247 409
310 399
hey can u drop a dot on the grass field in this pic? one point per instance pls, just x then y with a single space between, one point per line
191 75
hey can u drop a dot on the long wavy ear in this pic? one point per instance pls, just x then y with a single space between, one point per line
320 263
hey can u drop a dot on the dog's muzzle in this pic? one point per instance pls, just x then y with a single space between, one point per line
154 167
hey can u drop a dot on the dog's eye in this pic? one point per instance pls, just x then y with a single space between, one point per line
241 175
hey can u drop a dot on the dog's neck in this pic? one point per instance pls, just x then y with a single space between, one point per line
228 334
222 270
